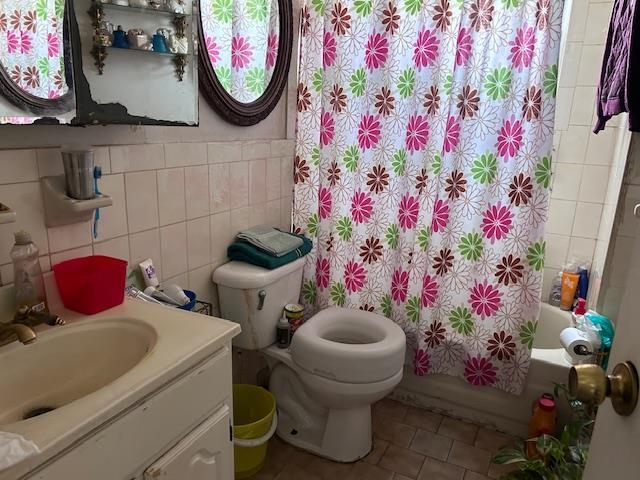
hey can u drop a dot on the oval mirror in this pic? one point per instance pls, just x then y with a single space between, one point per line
35 56
245 52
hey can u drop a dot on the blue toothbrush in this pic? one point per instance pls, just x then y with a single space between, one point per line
97 173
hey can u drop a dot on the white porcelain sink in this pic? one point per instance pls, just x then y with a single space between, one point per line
67 363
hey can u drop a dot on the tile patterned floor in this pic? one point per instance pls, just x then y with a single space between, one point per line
409 444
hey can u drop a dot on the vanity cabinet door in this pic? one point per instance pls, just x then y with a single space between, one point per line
205 454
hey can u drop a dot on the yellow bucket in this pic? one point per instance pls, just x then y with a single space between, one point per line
254 423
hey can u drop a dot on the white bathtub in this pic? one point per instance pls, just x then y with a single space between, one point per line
489 406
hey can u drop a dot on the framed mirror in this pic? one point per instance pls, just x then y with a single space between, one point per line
244 57
36 74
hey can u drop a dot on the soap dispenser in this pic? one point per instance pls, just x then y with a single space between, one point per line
27 274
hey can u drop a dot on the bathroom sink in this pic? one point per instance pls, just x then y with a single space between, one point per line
68 363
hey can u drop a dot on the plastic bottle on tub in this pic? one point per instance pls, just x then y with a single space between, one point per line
27 275
543 421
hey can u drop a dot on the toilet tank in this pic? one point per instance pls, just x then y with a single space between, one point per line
240 289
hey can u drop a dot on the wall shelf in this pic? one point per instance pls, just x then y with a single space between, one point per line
60 209
6 214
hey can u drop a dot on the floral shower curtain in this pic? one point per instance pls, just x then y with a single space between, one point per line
423 170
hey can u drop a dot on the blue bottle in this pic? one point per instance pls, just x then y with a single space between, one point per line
120 38
159 43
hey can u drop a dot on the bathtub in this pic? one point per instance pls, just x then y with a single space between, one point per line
486 405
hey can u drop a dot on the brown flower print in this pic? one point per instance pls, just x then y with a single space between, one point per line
481 14
456 184
300 170
390 18
31 77
340 19
304 97
377 179
443 15
501 345
58 80
468 102
371 251
16 75
334 174
509 270
384 101
432 100
434 334
305 21
543 10
367 308
16 19
443 261
30 21
330 243
3 21
421 180
338 99
532 103
520 190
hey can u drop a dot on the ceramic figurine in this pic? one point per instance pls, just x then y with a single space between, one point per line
138 39
139 3
176 6
122 3
178 44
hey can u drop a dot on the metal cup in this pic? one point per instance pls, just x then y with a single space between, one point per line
78 172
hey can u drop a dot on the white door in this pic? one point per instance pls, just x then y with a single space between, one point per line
615 446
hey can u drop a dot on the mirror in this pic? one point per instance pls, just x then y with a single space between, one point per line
35 61
245 52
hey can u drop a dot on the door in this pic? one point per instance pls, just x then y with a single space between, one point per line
614 446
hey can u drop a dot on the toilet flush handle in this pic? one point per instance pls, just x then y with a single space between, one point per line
261 296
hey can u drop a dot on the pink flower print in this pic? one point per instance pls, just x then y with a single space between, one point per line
272 49
425 50
327 128
479 371
324 202
440 215
361 207
25 42
408 212
369 132
429 290
451 134
485 299
510 138
399 285
354 276
496 222
329 49
241 52
376 51
323 271
463 48
522 47
13 43
213 49
53 45
417 133
422 363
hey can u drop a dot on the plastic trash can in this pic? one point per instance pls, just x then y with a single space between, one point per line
254 423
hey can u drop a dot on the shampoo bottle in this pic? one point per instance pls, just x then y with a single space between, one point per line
27 275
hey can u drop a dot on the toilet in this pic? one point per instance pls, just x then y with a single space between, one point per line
340 361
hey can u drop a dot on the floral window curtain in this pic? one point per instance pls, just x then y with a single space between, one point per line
31 45
423 171
242 42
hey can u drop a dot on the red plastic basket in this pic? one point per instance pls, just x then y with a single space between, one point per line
91 284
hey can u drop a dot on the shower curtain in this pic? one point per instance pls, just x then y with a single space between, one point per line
423 169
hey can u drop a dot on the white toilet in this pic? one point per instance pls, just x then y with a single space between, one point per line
340 361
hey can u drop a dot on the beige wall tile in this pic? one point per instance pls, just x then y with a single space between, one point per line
116 247
69 254
286 176
587 220
561 214
185 154
282 148
128 158
256 150
171 196
142 200
573 145
566 181
145 245
219 185
66 237
239 220
594 183
196 181
198 242
238 185
597 23
223 152
18 166
113 219
201 283
273 178
257 182
173 247
221 236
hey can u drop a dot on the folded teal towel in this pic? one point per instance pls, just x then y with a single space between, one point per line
270 240
245 252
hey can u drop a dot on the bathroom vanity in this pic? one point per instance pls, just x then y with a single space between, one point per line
138 392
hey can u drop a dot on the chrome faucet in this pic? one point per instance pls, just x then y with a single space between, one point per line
21 327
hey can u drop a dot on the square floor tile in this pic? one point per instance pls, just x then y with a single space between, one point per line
471 458
492 440
469 475
363 471
431 444
394 432
401 460
458 430
388 408
436 470
379 447
424 419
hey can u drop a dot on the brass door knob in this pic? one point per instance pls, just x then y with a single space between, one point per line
590 384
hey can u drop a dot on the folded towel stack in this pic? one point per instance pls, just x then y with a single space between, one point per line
260 246
270 240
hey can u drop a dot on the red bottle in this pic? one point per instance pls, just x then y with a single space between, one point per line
543 421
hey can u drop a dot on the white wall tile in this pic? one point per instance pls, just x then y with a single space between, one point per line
69 254
273 179
566 181
282 148
594 182
570 64
239 220
601 147
581 248
196 181
557 248
142 201
173 247
590 65
200 282
221 236
286 176
285 213
273 213
238 185
198 242
18 166
258 215
116 247
256 150
578 21
219 187
185 154
113 219
145 245
573 145
587 220
223 152
66 237
257 182
561 214
171 196
182 280
564 100
547 280
598 18
583 106
129 158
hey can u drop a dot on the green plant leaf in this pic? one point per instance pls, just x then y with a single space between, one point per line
485 168
436 164
255 80
448 84
461 320
43 67
59 8
507 456
224 77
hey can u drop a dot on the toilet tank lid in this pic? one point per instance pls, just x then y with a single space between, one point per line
245 276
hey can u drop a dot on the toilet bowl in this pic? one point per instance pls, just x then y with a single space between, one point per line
340 361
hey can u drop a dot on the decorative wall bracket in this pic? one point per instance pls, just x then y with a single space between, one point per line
99 54
181 62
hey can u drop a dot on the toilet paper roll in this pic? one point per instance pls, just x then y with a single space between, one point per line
575 341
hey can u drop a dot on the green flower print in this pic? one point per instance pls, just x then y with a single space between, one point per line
436 164
461 320
351 157
423 239
392 235
543 172
344 228
317 80
224 77
386 305
315 156
528 333
535 255
413 309
309 292
338 293
358 82
498 83
43 67
550 81
255 80
399 162
363 7
511 3
471 246
413 6
222 10
42 9
448 84
406 82
257 9
485 168
318 6
59 8
312 225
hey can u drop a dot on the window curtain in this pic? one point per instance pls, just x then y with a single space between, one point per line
423 168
